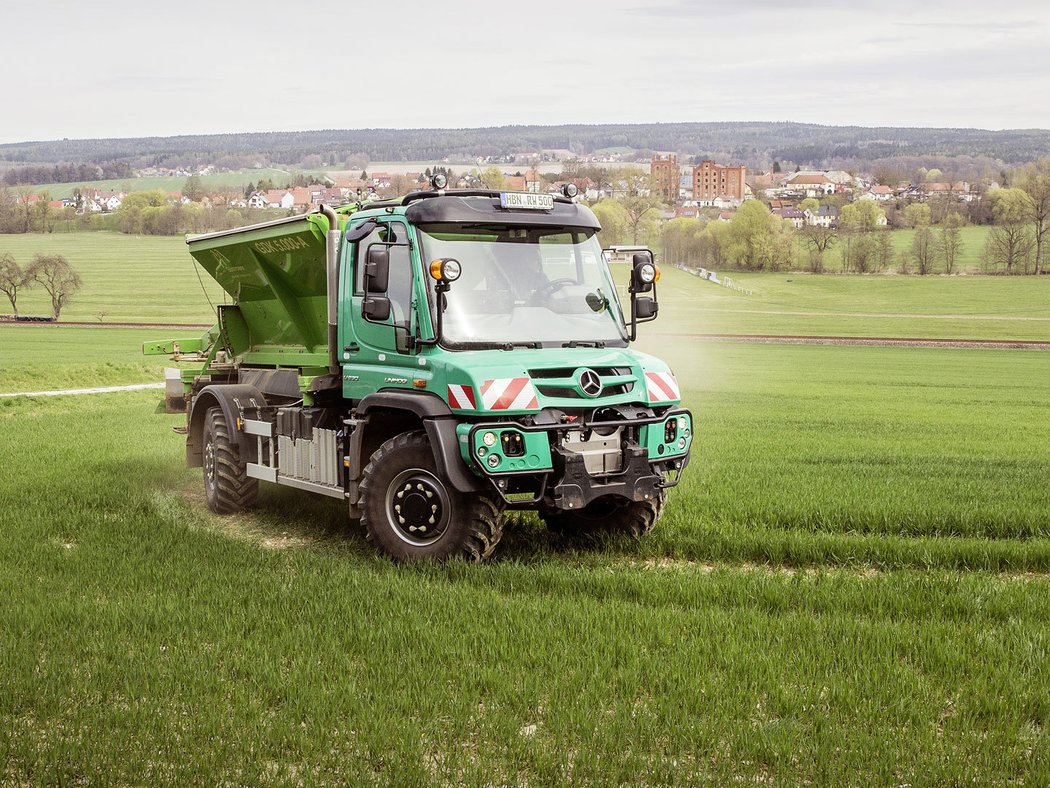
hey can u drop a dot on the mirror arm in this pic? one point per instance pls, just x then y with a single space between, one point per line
440 288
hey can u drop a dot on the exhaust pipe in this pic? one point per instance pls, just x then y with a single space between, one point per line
332 268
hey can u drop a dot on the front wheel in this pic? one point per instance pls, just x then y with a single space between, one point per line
608 517
411 511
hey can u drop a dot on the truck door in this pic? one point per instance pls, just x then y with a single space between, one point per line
375 352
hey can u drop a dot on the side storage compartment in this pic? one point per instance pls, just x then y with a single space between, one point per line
293 451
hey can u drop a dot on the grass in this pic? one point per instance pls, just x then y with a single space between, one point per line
960 307
39 358
237 178
849 586
127 278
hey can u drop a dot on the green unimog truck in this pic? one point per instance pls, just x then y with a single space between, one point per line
434 360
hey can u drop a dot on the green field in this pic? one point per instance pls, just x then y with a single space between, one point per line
850 586
152 279
129 278
238 178
960 307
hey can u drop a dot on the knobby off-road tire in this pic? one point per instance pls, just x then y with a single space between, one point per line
411 511
608 517
227 485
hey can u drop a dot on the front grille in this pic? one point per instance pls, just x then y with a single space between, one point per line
562 382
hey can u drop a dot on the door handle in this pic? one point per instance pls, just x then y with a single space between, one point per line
353 347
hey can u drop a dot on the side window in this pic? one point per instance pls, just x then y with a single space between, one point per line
394 237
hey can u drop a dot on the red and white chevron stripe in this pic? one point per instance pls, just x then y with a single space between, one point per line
662 386
508 394
461 397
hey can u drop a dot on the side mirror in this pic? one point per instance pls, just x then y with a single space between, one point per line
376 308
645 308
377 269
644 276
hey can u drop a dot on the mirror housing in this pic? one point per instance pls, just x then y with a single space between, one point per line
377 269
376 308
645 308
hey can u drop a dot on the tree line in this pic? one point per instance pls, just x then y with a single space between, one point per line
67 173
807 144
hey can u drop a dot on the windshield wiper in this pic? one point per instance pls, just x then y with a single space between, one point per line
512 345
598 343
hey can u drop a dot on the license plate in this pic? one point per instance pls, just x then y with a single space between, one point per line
535 202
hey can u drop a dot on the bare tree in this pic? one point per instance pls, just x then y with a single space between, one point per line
1035 180
12 279
1010 241
43 212
57 277
922 250
637 209
818 240
949 241
25 203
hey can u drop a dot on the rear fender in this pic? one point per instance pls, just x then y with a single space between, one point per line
232 399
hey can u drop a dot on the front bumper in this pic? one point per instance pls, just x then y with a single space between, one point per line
554 469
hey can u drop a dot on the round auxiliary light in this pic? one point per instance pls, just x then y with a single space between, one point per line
682 423
445 268
438 180
493 460
647 273
570 190
489 438
681 443
482 451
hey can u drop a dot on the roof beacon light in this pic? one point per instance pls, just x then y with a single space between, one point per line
438 181
570 190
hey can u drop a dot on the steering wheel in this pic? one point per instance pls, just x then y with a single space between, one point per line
550 288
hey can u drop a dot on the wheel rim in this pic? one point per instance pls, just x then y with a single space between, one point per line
417 507
209 465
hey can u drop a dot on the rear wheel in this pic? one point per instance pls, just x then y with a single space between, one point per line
227 486
608 517
412 511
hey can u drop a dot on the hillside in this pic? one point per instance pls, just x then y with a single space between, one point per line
751 143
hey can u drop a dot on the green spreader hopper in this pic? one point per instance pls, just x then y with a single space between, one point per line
276 273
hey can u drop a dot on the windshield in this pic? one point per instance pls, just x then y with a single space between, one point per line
525 286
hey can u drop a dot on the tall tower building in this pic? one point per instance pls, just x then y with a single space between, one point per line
663 176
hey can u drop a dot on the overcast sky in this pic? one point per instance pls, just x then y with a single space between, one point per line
123 69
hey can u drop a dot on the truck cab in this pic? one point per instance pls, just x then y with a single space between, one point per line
436 360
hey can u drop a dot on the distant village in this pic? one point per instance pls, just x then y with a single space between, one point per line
685 190
725 187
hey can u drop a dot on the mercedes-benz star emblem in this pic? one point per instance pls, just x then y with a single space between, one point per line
590 383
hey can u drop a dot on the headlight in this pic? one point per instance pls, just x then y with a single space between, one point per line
489 439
